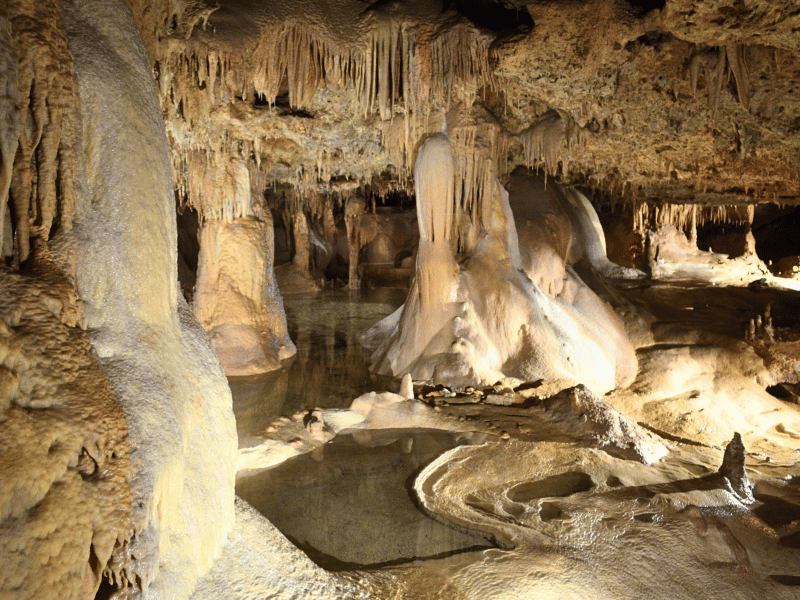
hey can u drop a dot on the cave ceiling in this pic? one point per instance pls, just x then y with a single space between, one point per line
689 102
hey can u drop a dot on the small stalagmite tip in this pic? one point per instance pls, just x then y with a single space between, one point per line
733 469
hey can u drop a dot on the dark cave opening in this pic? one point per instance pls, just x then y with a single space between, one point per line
647 5
494 15
188 249
777 232
722 238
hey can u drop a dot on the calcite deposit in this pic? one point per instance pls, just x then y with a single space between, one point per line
513 307
65 457
576 197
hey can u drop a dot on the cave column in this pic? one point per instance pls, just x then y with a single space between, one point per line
328 222
236 298
749 239
693 227
353 210
302 244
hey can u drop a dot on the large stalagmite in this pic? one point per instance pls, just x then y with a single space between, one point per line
495 315
236 297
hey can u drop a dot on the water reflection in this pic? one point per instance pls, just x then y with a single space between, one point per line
349 504
330 368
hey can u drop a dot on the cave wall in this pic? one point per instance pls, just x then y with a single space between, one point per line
91 199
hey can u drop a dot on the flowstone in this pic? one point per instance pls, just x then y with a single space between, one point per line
512 307
157 357
66 507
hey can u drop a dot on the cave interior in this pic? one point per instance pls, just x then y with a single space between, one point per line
399 299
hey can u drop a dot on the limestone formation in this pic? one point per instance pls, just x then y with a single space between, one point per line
513 307
159 361
236 297
599 186
67 516
733 469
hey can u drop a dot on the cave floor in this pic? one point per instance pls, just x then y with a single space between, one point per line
525 510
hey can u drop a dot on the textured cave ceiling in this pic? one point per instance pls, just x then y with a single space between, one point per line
689 102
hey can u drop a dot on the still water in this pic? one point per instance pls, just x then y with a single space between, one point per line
330 368
349 504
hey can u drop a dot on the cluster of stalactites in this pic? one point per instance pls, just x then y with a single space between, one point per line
549 141
37 109
399 68
649 216
481 149
720 66
396 62
224 187
220 187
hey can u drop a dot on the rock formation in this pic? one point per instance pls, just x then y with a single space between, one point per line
671 123
513 307
236 296
65 456
115 240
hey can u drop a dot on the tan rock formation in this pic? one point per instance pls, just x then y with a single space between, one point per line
66 508
352 220
100 206
156 355
237 299
684 115
513 307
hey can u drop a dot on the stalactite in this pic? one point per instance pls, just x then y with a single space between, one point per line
719 66
37 168
648 216
435 187
481 145
399 68
544 141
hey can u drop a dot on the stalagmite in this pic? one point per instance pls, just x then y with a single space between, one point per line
733 469
354 208
302 244
236 298
488 319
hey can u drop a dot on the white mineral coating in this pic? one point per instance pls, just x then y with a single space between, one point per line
236 297
577 523
592 239
158 358
258 562
513 307
407 387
